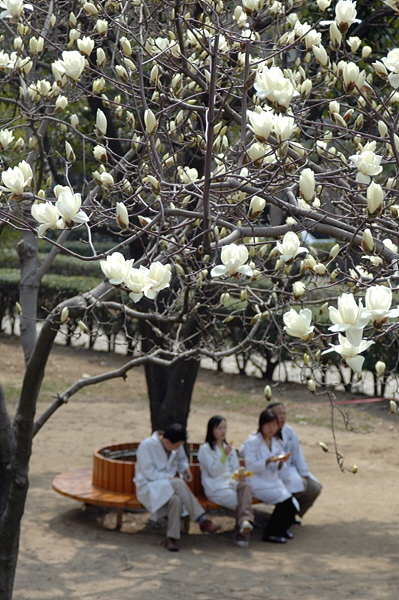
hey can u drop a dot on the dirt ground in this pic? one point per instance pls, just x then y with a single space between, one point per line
346 548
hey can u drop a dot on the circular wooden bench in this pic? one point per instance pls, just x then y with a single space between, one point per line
110 482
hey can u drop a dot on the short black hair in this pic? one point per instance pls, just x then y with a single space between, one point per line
175 433
266 416
273 404
212 423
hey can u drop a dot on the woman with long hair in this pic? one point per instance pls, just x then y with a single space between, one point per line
264 455
221 480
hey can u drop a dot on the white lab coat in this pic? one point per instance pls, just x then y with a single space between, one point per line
295 467
216 476
265 482
154 469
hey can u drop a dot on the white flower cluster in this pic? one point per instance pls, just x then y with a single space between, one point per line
142 281
349 318
64 213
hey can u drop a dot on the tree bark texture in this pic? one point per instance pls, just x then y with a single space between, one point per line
170 388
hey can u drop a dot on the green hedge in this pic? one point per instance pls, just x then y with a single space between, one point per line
62 264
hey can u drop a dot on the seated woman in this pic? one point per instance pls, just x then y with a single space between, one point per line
264 456
221 481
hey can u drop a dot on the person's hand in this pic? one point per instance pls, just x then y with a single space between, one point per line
283 459
187 475
228 449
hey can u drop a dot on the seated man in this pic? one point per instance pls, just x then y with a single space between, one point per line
296 475
159 458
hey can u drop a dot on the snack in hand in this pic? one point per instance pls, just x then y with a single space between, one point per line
242 473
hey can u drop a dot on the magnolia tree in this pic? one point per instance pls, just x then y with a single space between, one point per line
211 143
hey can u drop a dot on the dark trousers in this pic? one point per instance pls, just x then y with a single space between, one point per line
282 518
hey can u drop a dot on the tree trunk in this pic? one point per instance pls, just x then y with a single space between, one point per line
170 388
16 440
29 290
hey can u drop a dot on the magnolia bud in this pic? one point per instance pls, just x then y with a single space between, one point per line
70 154
393 407
64 314
122 216
323 446
354 469
83 327
334 251
256 207
306 358
368 242
380 367
18 308
311 385
150 121
268 392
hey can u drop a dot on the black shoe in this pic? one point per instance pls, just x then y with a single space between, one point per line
170 544
274 539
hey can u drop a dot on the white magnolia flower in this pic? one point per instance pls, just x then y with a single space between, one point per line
85 45
323 4
307 185
321 55
391 62
350 353
158 278
367 163
345 14
354 43
233 258
289 247
15 180
101 122
349 317
150 121
13 9
261 123
4 60
335 36
298 289
187 174
312 38
378 303
299 324
256 207
388 243
72 64
100 153
375 198
136 280
68 205
6 137
46 214
283 127
122 216
270 83
352 76
116 268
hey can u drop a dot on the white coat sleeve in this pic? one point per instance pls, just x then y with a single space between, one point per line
147 466
252 461
299 458
209 461
182 461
